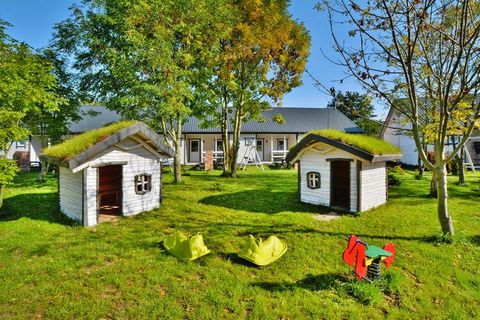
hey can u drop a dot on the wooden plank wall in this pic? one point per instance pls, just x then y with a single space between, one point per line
374 191
70 193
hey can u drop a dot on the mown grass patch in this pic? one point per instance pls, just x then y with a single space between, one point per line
52 268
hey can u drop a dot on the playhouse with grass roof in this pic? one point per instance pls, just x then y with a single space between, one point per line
347 172
109 172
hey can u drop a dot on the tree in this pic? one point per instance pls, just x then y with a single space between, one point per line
51 125
26 83
427 53
147 59
358 108
262 57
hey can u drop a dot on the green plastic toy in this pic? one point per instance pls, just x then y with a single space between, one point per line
185 248
263 253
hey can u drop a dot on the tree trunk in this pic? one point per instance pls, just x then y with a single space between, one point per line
1 196
420 168
442 202
177 164
45 165
434 185
461 169
43 172
236 143
225 142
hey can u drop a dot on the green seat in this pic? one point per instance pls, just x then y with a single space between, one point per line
263 253
185 248
374 252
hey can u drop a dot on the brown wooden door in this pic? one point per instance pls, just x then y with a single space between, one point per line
110 190
340 185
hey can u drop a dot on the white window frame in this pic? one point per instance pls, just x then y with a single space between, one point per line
313 180
144 181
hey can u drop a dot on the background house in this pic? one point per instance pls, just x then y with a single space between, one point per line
397 132
271 139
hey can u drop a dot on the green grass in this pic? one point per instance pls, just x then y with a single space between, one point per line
77 144
370 144
52 269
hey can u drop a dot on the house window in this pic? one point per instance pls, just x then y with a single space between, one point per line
21 144
313 180
281 144
219 145
143 183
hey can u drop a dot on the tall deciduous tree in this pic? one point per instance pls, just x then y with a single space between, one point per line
427 53
358 108
50 125
26 85
146 59
262 57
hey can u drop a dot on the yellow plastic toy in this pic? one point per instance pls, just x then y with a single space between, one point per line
185 248
263 253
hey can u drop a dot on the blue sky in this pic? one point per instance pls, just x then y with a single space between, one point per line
33 22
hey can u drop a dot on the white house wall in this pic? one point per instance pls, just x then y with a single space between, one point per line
139 161
70 193
374 186
400 139
208 143
313 160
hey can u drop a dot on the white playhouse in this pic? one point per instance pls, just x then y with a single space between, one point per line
342 175
108 172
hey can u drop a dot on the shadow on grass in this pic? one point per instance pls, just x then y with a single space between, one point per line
233 257
30 180
475 240
263 201
36 206
310 282
265 231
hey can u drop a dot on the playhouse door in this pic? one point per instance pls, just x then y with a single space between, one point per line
110 190
340 185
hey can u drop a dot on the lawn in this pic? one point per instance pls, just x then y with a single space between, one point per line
51 268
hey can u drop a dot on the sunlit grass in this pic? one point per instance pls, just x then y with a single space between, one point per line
52 269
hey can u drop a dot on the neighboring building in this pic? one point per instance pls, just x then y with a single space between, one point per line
340 175
93 117
271 139
397 131
116 172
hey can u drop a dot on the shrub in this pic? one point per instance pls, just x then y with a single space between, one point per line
393 180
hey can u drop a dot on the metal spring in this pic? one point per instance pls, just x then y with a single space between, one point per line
374 271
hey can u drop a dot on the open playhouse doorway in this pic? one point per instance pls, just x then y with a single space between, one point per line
109 192
340 184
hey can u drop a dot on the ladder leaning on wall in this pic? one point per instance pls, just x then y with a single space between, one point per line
251 156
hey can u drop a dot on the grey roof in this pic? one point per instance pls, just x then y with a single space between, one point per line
297 120
93 117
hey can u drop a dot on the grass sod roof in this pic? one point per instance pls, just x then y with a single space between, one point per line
74 146
367 145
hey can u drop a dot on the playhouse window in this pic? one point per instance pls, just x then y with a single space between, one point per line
313 180
143 183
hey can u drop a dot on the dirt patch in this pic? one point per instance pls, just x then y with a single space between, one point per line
327 216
